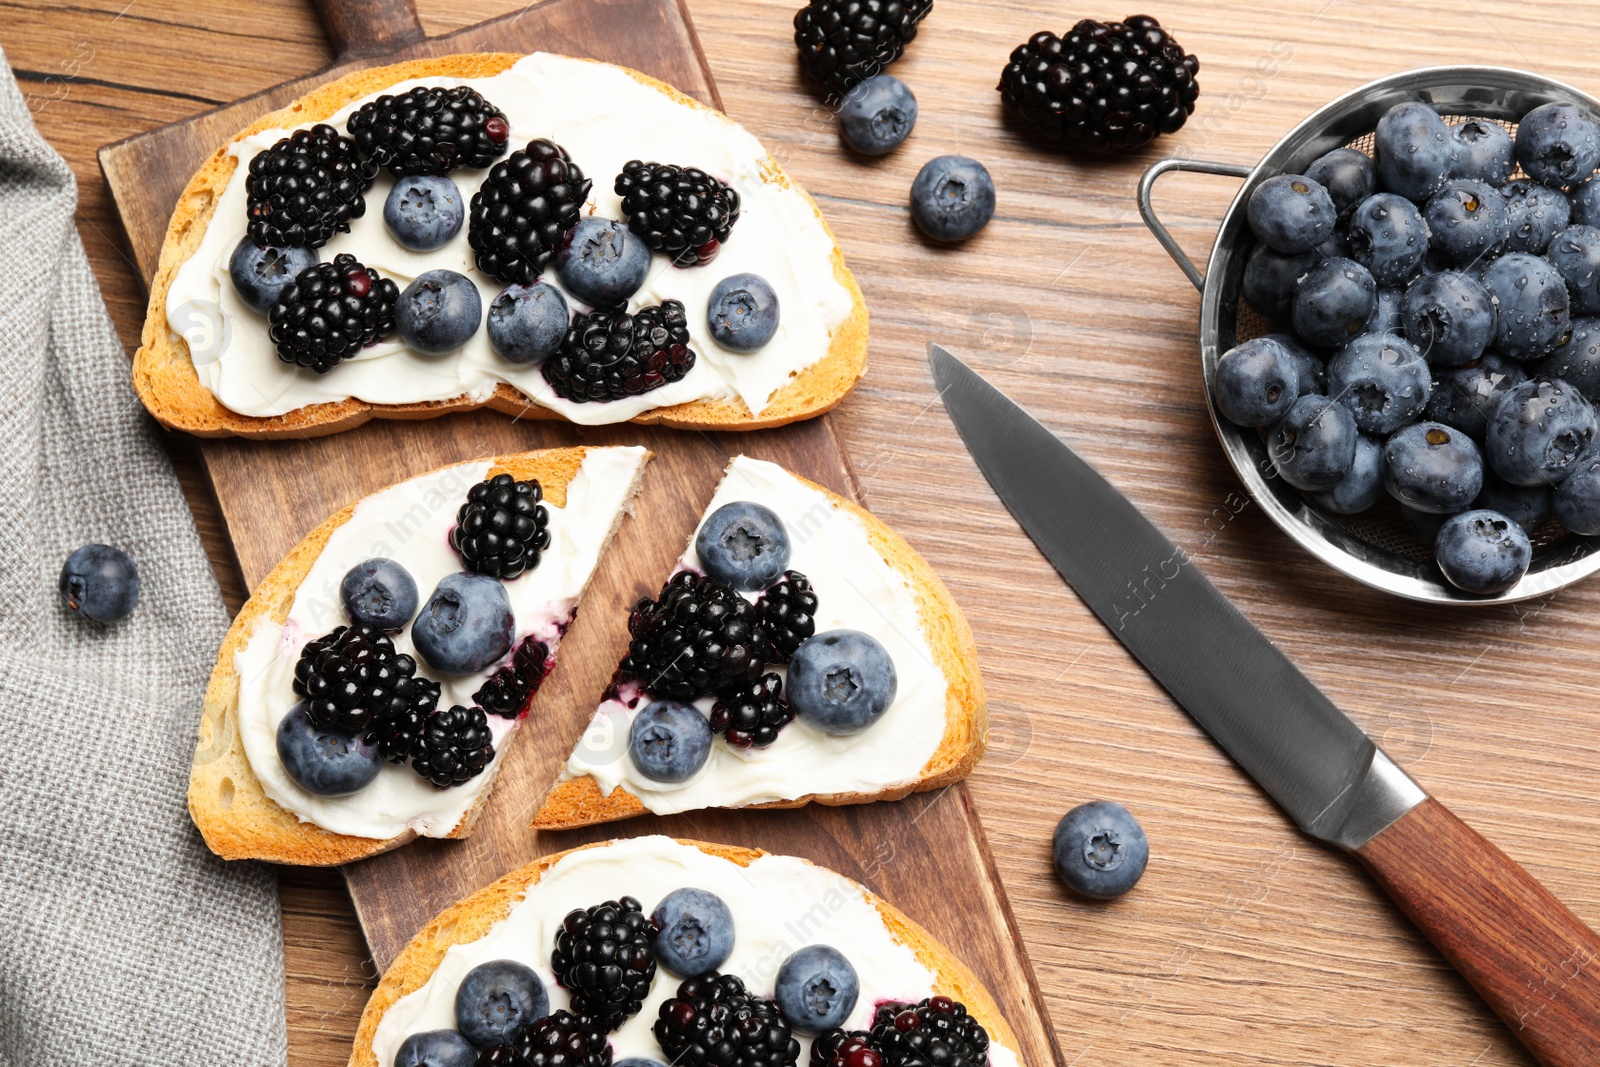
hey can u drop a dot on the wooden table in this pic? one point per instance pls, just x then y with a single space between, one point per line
1246 943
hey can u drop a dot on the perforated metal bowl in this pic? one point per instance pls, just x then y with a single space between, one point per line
1376 547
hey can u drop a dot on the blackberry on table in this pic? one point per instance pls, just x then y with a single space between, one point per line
505 691
751 715
454 746
715 1021
602 958
1104 87
788 614
306 188
524 210
698 638
331 312
502 527
429 130
609 353
844 42
935 1032
680 211
352 678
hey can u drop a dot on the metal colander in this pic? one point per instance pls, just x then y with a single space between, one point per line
1376 547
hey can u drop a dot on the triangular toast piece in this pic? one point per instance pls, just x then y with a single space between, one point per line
241 796
866 579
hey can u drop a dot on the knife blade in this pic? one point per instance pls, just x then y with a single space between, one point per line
1530 957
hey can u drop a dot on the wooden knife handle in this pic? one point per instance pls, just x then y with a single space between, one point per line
359 27
1525 953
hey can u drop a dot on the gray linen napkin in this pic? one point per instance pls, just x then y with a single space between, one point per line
122 939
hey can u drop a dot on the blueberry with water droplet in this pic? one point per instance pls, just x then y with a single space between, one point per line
1532 308
1348 176
1576 360
1468 221
1527 505
1432 467
1413 150
1387 317
1314 445
1585 201
1481 149
1482 552
1382 380
1256 382
1465 397
1290 213
1539 431
1313 371
1575 254
1270 279
1558 144
1449 316
1576 501
1334 302
1535 213
1389 237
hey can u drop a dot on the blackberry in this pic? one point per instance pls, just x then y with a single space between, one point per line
1104 87
352 678
507 690
788 614
609 354
453 747
306 188
935 1032
397 732
330 312
524 210
430 131
845 1048
844 42
681 211
502 527
560 1039
751 715
714 1020
602 958
699 638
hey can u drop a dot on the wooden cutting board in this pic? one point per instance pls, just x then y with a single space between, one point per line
927 854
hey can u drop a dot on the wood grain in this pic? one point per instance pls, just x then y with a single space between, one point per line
1245 943
1535 962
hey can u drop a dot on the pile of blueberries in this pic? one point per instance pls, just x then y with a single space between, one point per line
1437 332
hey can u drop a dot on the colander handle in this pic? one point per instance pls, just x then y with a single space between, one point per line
1157 227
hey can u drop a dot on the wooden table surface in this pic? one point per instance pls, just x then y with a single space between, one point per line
1246 943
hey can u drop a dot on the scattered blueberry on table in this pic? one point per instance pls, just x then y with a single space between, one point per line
1100 850
100 583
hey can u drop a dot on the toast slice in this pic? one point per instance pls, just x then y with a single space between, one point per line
896 959
229 788
167 380
866 578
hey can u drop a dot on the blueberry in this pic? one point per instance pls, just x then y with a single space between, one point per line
1362 487
1465 397
1256 382
1270 279
1531 304
1468 221
1290 213
1313 372
466 624
528 322
877 115
1432 467
100 583
1482 551
743 544
1575 254
1481 149
603 262
669 741
694 932
1536 214
436 1048
1382 380
1347 175
1100 849
1413 148
498 1000
817 989
1388 317
1576 360
1335 246
328 763
1334 302
438 312
1585 203
1388 236
423 212
1527 505
1558 144
1314 445
743 312
1449 316
1425 524
841 681
260 275
1576 501
379 593
1539 431
952 198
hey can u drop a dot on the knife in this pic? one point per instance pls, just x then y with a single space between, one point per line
1534 961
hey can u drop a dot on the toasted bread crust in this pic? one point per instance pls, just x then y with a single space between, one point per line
471 918
166 380
579 802
236 818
